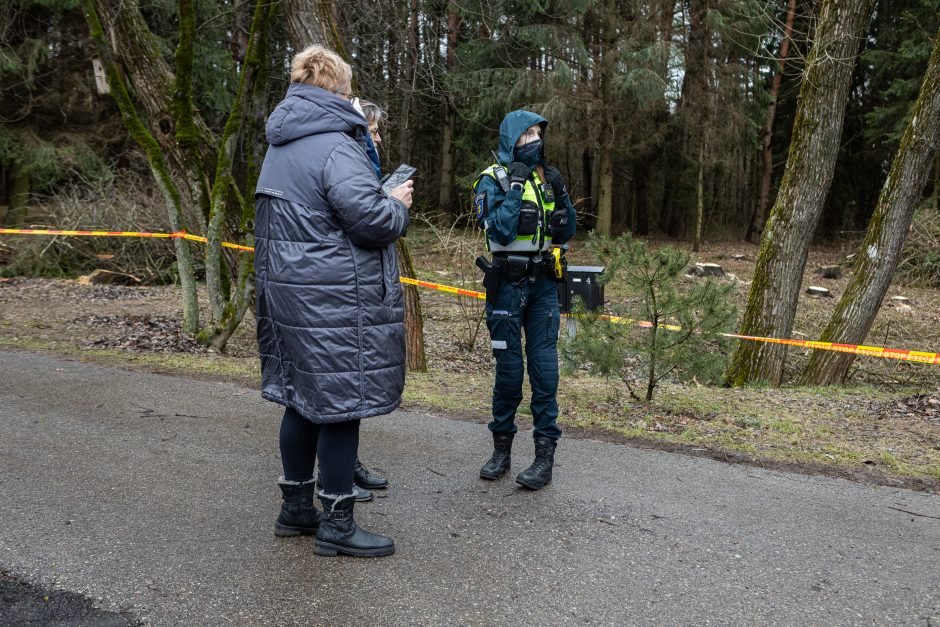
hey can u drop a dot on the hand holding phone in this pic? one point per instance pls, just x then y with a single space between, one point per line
403 193
399 176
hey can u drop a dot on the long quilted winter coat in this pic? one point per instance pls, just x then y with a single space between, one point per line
329 302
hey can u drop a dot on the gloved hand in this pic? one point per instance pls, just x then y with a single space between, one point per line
553 178
519 172
557 220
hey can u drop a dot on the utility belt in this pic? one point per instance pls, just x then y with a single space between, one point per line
515 268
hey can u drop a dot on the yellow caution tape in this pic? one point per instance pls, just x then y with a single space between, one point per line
173 235
89 233
867 351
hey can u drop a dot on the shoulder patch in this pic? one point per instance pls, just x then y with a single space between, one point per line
479 201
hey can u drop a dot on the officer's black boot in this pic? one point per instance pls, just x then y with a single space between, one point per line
499 462
366 480
339 533
298 512
539 474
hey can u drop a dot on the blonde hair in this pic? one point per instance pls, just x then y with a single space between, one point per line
321 67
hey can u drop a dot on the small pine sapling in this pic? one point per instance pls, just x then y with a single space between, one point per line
666 326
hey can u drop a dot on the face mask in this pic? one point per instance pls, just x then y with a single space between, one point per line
529 154
358 107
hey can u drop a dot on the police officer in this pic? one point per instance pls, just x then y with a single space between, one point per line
527 215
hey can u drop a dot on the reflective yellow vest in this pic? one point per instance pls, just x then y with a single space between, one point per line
533 216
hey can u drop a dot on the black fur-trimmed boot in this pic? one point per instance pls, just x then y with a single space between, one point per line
362 495
498 465
539 474
298 514
339 532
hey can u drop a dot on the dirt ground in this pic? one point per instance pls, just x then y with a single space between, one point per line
883 428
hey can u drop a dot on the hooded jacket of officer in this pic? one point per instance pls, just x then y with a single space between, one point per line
523 218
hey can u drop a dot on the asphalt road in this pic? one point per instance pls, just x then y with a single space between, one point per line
156 495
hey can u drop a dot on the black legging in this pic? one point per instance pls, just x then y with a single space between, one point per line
336 445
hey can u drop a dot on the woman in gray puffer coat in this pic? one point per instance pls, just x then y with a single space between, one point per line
329 302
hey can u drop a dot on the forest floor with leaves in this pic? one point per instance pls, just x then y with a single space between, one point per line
883 428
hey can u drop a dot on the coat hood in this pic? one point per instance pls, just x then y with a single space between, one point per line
511 129
309 110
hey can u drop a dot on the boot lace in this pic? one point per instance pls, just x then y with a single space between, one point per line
539 464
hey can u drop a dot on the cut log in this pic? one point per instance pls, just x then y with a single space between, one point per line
815 290
900 299
6 254
106 277
711 269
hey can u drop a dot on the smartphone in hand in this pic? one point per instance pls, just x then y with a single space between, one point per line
399 176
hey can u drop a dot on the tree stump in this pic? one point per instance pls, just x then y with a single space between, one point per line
106 277
705 269
830 272
818 292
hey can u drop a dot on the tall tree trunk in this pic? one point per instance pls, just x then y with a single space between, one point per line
19 195
699 198
689 121
756 227
445 197
133 46
587 170
887 231
605 188
408 85
665 39
178 144
774 293
936 183
152 83
225 317
605 178
650 184
655 181
309 22
415 357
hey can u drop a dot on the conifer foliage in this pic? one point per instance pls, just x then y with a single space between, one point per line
669 326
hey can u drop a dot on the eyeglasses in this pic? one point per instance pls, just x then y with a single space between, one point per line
374 131
349 97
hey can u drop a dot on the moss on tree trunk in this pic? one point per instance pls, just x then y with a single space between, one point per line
155 158
817 129
887 231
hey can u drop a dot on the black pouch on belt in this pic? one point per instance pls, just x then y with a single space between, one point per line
517 268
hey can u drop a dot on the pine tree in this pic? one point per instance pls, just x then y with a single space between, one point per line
666 328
